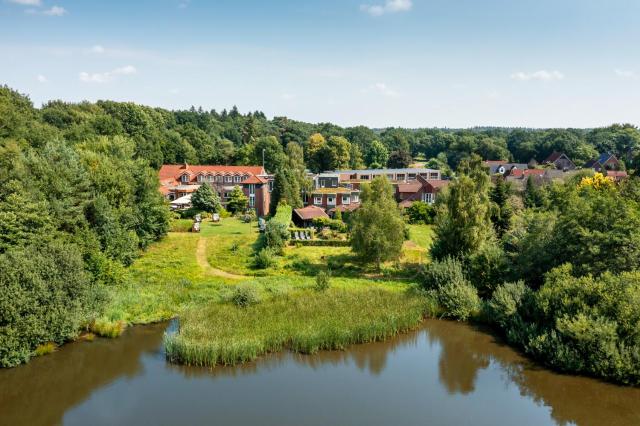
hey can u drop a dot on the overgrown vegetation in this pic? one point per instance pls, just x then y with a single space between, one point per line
301 321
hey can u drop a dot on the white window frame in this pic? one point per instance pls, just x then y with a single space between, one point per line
237 179
329 198
218 178
184 178
428 197
228 179
200 178
252 201
346 199
355 198
317 200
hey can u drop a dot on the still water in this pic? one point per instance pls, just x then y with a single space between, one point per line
446 373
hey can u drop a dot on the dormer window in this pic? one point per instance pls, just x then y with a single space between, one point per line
210 178
185 178
237 179
200 178
218 178
228 179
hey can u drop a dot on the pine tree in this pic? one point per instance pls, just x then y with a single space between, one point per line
501 213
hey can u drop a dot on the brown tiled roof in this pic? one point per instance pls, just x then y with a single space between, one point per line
553 157
409 187
310 212
439 183
345 207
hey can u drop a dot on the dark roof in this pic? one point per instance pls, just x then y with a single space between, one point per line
310 212
345 207
438 183
553 157
604 157
409 187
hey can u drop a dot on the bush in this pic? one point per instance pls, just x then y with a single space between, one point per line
105 328
458 299
323 281
442 272
264 258
420 213
248 217
45 296
276 235
334 224
245 295
503 307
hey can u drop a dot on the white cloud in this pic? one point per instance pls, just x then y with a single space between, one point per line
542 75
382 89
55 11
389 6
27 2
41 78
627 74
104 77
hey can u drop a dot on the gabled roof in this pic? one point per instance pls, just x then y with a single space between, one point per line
345 207
555 155
527 172
174 170
438 183
310 212
409 187
604 157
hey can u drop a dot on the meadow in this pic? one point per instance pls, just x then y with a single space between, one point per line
193 276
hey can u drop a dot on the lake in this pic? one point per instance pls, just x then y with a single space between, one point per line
445 373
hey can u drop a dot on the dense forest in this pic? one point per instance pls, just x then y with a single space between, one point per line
79 199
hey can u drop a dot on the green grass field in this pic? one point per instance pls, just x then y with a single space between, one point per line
191 275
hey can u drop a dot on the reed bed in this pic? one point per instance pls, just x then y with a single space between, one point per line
303 321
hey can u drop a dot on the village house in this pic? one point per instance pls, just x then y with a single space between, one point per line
502 167
422 189
303 217
606 161
560 161
178 181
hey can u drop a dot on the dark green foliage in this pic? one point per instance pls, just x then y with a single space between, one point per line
285 190
501 212
420 213
585 325
440 272
399 159
206 199
533 195
334 224
45 296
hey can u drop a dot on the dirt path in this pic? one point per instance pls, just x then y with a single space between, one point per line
201 258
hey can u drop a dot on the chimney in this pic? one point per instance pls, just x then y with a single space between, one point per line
185 166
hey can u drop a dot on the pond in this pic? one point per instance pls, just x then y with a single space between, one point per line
445 373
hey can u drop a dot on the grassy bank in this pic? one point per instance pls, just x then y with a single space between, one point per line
301 320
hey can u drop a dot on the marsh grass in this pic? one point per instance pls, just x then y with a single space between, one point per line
45 348
303 321
105 328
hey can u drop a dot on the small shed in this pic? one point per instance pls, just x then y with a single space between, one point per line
304 217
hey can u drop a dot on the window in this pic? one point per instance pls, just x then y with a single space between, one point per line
252 201
412 176
331 200
317 199
252 189
346 199
185 178
364 177
200 178
218 178
228 179
270 185
237 179
400 176
355 198
210 178
227 195
390 176
434 175
428 197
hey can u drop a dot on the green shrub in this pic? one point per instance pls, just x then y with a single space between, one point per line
458 299
420 213
244 295
334 224
276 235
441 272
106 328
45 349
323 281
502 308
264 258
45 296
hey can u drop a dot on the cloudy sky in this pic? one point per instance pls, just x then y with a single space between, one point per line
454 63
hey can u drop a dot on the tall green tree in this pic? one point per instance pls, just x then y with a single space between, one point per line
501 212
237 202
377 155
285 190
377 231
462 223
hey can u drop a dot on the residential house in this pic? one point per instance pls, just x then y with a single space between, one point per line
503 167
606 161
560 161
179 180
303 217
354 178
616 175
425 190
329 198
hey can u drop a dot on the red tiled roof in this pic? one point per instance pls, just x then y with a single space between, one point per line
616 174
438 183
310 212
254 179
528 172
174 170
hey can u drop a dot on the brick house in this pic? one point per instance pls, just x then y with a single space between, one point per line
178 180
425 190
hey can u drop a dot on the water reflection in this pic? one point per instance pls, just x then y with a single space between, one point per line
439 374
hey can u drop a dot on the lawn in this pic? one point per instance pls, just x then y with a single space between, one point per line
191 275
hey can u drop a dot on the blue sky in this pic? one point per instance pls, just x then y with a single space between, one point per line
412 63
